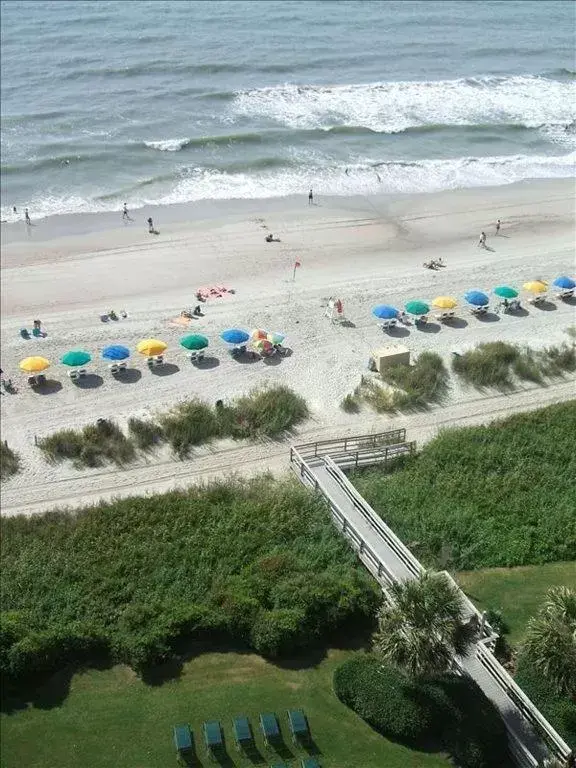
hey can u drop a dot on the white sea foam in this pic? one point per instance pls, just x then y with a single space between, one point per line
365 177
397 106
167 145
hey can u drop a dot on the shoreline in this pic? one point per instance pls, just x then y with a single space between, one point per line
174 216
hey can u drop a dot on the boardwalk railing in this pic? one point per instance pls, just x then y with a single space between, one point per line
303 459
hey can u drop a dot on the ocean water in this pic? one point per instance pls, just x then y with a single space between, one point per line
166 101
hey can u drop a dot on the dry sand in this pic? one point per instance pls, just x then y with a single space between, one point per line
364 251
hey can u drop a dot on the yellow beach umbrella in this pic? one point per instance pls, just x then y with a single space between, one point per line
151 347
34 364
444 302
536 286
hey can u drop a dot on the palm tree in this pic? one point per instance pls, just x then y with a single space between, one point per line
550 642
424 625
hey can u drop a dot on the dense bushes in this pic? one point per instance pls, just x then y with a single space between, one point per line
446 713
499 495
266 411
9 461
257 562
560 711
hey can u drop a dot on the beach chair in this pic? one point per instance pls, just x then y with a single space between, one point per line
183 742
36 332
122 366
40 379
159 360
270 728
421 320
213 738
82 373
451 314
567 294
242 733
74 375
32 381
113 368
298 726
24 333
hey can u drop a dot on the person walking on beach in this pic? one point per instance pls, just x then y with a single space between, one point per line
27 217
498 225
125 212
482 241
310 197
150 225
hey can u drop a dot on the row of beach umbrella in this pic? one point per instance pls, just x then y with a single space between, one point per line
77 358
474 297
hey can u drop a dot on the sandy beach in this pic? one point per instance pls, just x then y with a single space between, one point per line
67 271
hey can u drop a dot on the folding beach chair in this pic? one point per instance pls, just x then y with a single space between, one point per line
242 733
212 737
183 742
270 728
298 726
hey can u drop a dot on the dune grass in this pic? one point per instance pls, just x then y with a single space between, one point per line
478 497
267 411
498 365
9 461
406 387
92 446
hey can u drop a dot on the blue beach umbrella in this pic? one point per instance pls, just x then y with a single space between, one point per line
477 298
115 352
384 312
234 336
565 283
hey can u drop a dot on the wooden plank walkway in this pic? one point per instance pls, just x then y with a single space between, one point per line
389 560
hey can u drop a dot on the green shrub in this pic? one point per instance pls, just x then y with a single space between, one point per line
267 411
146 434
213 562
278 632
560 711
383 697
526 367
189 423
470 500
448 713
555 361
9 461
350 404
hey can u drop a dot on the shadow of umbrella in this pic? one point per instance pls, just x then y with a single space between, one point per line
128 376
90 381
166 369
207 363
48 387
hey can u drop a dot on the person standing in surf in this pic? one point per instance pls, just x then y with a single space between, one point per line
125 212
310 197
27 217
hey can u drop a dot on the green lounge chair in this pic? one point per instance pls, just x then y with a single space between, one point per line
298 725
212 736
242 732
182 741
309 762
279 765
270 727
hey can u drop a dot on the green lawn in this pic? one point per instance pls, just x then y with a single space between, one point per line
516 592
110 719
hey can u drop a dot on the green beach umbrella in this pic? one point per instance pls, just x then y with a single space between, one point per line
417 308
505 292
194 341
75 358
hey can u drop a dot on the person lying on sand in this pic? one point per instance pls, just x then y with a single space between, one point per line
434 264
271 239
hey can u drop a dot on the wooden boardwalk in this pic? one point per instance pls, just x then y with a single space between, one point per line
531 737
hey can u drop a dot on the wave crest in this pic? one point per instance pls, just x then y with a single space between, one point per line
394 107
